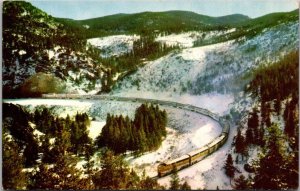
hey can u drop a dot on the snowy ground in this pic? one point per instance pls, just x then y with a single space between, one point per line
215 102
218 67
186 130
208 173
187 39
182 40
114 45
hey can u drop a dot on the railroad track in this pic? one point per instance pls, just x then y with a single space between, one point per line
181 162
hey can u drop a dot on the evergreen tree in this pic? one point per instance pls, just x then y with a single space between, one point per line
144 133
252 129
62 176
31 153
148 183
289 120
277 106
229 168
185 186
47 152
240 146
269 174
12 165
174 183
249 136
241 183
41 178
114 173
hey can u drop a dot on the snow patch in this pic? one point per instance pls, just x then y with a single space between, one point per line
114 45
95 128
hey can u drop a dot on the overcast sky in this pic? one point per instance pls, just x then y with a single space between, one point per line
85 9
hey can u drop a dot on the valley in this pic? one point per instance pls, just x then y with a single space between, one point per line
100 75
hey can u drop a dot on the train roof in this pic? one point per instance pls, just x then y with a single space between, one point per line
196 151
215 141
177 159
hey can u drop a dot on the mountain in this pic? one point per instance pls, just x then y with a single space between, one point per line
38 50
223 66
169 21
174 22
42 54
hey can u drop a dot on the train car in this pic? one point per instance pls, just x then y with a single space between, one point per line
198 154
226 127
216 143
178 164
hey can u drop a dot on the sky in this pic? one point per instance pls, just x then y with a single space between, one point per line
85 9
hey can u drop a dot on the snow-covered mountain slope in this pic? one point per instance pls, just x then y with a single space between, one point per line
213 68
189 39
34 44
114 45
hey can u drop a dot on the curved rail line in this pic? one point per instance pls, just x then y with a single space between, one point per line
181 162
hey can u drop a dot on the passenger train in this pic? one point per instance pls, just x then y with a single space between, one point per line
181 162
194 156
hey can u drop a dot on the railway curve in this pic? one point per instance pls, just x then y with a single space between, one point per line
179 163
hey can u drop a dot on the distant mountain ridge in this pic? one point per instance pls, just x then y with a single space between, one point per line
169 21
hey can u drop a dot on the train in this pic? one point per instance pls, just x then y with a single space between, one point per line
142 100
194 156
167 167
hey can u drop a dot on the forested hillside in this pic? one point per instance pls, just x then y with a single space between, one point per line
41 151
162 22
35 46
272 128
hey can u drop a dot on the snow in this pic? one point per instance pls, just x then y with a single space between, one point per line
86 26
208 173
182 40
215 102
59 102
213 68
22 52
186 130
95 128
114 45
196 132
175 71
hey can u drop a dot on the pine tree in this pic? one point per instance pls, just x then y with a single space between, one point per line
249 136
229 168
252 130
241 183
31 153
277 106
47 153
12 165
147 183
62 176
240 143
174 183
114 173
269 174
289 120
185 186
41 178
